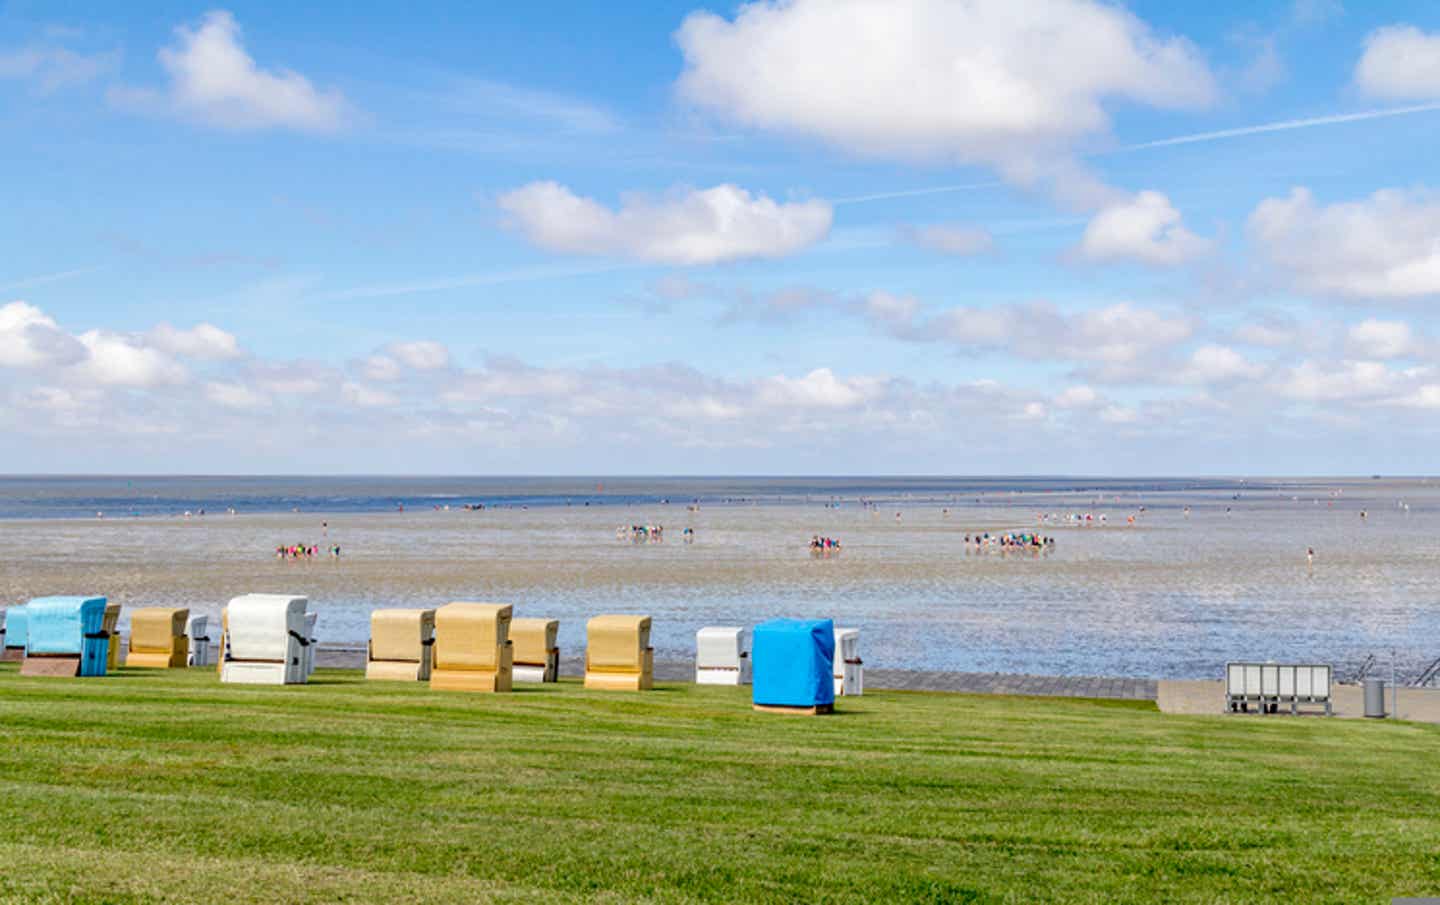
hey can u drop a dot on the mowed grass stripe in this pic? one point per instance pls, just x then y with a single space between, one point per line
384 791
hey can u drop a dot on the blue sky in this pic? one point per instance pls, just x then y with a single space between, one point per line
898 237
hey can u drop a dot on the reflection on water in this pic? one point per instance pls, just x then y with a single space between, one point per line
1174 596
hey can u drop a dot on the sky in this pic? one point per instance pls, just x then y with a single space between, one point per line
816 236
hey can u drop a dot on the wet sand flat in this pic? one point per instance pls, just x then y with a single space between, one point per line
1174 596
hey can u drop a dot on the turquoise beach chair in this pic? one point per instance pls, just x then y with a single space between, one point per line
65 637
15 634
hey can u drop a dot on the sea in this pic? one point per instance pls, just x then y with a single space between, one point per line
1159 577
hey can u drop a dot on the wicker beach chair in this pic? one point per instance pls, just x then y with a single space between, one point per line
537 655
158 639
112 630
264 640
401 643
15 634
848 668
65 636
472 648
202 652
722 655
794 666
618 655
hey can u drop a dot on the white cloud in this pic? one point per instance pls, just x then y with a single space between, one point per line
1372 338
1269 334
689 226
206 342
1212 363
1119 414
31 339
1385 246
1117 338
366 397
1144 228
291 378
818 389
1318 381
894 312
1400 62
214 80
120 360
1010 83
53 68
951 239
381 367
420 355
1079 396
235 396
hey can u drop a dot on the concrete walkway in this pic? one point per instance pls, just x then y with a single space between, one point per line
1207 698
1192 697
890 679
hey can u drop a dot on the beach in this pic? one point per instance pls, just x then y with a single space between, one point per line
1174 595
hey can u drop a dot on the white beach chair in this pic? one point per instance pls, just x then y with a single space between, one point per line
849 669
308 657
265 640
1270 685
722 655
201 651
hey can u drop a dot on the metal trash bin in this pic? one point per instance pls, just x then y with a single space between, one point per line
1375 698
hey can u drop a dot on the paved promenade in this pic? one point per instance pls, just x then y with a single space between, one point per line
1202 698
892 679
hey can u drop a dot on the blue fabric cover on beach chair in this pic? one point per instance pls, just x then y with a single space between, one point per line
68 627
793 659
15 632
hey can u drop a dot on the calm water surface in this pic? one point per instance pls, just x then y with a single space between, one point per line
1175 595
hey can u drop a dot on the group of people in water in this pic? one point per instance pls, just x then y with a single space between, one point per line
305 551
1011 540
824 545
641 534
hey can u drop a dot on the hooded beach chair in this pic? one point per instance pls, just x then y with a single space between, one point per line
400 645
794 666
158 639
537 656
111 626
65 637
264 640
15 633
201 650
849 670
472 647
307 654
618 655
722 655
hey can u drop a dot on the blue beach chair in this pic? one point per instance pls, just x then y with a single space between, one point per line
15 634
65 637
793 666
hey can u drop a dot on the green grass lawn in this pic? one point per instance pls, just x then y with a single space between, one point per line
153 786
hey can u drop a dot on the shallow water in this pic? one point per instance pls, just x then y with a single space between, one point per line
1172 596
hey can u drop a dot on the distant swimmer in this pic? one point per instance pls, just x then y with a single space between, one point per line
1310 556
1362 514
